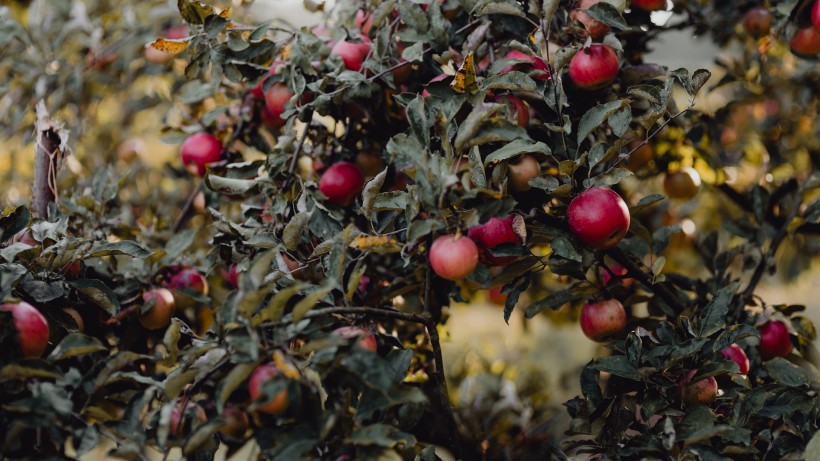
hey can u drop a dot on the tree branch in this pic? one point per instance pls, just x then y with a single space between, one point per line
635 270
50 142
385 313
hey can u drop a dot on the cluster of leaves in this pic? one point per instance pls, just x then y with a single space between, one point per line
307 266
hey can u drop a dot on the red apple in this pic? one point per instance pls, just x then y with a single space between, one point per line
594 67
521 171
341 183
495 296
702 392
31 326
200 204
262 374
806 41
364 21
757 22
453 257
518 109
353 54
159 315
435 79
736 354
276 98
198 150
618 271
236 423
682 184
190 279
532 63
598 217
774 340
640 157
233 276
815 14
491 234
258 92
366 339
649 5
602 320
596 29
174 428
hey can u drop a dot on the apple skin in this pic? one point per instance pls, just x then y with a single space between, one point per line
815 14
757 22
597 30
341 183
190 279
806 41
236 423
495 296
520 172
159 316
174 428
736 354
32 328
352 54
594 67
602 320
258 92
364 21
700 392
260 375
198 150
518 109
535 63
649 5
453 257
491 234
598 217
682 184
276 98
640 157
232 276
367 340
774 340
617 270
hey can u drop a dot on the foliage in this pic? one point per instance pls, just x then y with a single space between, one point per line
308 267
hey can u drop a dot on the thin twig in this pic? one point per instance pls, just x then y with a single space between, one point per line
295 160
186 210
339 310
645 276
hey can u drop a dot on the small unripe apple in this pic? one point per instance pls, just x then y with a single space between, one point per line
649 5
682 184
369 164
236 423
199 150
353 54
640 157
261 375
31 326
491 234
518 109
175 428
453 257
596 29
366 339
774 340
159 315
736 354
594 67
602 320
806 41
701 392
341 183
521 171
757 22
598 217
533 63
276 98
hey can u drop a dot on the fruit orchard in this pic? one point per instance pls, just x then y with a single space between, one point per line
287 282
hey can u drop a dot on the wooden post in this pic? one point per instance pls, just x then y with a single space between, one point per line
48 157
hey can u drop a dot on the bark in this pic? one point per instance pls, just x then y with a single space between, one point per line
48 157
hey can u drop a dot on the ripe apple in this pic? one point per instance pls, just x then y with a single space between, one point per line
233 276
518 109
649 5
276 98
155 56
31 326
815 14
598 217
190 279
806 41
175 428
491 234
453 257
640 157
341 183
702 392
533 63
262 374
596 29
258 92
594 67
495 296
236 423
774 340
757 22
437 78
602 320
618 271
364 21
521 171
353 54
736 354
159 316
682 184
366 339
369 164
198 150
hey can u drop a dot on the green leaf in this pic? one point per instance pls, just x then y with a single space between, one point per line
785 372
562 247
515 148
610 178
180 242
608 14
596 117
125 247
98 293
276 306
506 7
27 371
370 193
545 182
14 222
711 318
617 365
294 229
514 81
231 186
75 345
309 301
231 382
553 301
